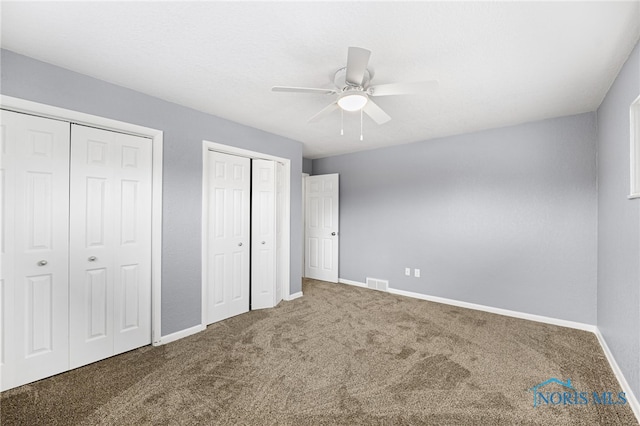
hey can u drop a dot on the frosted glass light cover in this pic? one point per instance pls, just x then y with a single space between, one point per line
353 102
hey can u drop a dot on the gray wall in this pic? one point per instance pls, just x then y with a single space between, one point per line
307 165
184 130
619 226
503 217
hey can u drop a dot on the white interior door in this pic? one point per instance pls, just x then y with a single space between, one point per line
321 227
110 234
34 245
304 222
227 232
263 234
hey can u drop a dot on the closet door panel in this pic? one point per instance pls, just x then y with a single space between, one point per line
92 245
227 236
263 234
132 256
281 223
35 224
7 232
111 251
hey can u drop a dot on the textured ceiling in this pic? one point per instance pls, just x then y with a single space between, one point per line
498 63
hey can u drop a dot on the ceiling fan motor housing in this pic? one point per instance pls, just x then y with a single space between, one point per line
340 80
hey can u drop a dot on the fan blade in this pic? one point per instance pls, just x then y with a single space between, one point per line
357 61
376 113
303 90
402 88
325 111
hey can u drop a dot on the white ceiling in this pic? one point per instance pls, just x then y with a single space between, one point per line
498 63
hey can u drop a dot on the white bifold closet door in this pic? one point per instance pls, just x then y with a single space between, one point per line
281 222
227 235
34 243
263 235
267 223
110 250
243 234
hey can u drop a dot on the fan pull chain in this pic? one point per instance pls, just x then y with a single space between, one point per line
341 122
360 124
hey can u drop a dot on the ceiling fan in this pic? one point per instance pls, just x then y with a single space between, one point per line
354 91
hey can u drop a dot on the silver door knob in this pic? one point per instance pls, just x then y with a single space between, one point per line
42 263
239 244
92 258
333 233
263 242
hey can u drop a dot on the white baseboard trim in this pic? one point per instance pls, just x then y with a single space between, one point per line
350 282
293 296
499 311
179 334
633 401
198 328
491 309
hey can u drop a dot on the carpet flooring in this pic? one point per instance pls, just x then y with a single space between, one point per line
339 355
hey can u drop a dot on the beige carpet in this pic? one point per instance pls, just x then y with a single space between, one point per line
339 355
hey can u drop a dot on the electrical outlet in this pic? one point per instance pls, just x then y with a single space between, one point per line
416 273
407 271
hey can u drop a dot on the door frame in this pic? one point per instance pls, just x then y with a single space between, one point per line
286 236
156 136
